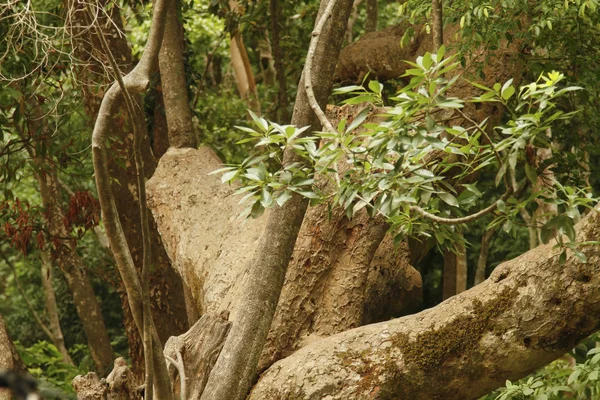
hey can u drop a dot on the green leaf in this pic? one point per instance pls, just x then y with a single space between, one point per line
531 173
283 197
228 176
360 118
448 199
375 86
257 210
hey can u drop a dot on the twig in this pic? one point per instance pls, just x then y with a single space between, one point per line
461 220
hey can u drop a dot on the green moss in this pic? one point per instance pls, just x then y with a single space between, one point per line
434 347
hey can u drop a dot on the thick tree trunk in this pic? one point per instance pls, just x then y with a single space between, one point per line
234 371
530 311
166 293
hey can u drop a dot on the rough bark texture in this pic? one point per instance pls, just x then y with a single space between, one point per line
210 247
198 348
530 311
166 292
234 371
9 358
174 87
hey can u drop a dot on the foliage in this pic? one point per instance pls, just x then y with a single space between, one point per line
399 168
44 362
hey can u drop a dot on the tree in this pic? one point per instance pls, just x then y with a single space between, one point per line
288 279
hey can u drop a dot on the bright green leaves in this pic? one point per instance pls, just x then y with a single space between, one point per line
411 167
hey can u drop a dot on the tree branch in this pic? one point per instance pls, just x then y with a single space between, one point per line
133 83
529 312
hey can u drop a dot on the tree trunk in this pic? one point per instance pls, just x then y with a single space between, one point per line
278 63
437 24
530 311
9 358
235 369
243 72
174 86
166 290
84 299
52 309
486 240
372 15
455 271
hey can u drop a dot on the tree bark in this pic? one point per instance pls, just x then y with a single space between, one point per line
437 24
166 293
243 72
173 80
486 240
278 62
372 16
9 358
455 271
84 299
52 308
236 367
529 312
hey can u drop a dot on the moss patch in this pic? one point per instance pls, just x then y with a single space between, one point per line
434 347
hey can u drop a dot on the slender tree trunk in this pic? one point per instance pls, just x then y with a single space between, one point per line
243 73
166 294
85 301
486 240
372 16
173 80
55 335
278 60
235 369
437 24
52 308
455 272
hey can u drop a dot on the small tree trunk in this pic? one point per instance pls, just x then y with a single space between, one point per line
52 309
486 240
174 87
437 24
372 15
278 62
455 271
243 73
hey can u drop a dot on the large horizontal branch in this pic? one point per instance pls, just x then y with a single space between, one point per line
529 312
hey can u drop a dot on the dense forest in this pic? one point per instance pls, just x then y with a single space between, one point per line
336 199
